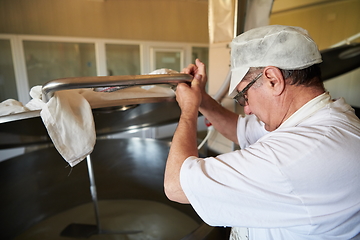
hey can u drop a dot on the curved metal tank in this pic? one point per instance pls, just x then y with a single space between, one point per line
38 185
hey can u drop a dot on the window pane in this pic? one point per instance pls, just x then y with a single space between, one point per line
47 61
123 59
170 60
7 73
202 53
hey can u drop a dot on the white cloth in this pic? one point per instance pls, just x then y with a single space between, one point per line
36 102
300 181
11 106
68 119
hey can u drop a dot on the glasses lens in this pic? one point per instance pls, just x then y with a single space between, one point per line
240 99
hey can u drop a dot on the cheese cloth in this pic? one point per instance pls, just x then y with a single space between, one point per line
67 117
70 124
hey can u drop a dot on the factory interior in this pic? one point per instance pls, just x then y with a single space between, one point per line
116 191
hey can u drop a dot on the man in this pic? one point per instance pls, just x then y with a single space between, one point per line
297 175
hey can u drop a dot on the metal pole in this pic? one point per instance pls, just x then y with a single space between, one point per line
93 191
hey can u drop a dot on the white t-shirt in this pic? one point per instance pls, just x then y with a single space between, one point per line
301 181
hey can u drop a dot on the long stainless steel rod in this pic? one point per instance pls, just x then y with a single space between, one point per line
51 87
93 192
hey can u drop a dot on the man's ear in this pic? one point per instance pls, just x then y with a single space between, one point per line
275 79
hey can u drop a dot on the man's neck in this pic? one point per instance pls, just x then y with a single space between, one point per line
294 98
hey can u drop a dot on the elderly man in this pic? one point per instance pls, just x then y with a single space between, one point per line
297 175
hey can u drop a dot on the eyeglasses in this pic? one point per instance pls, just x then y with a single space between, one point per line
241 96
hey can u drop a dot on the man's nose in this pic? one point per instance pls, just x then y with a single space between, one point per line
247 109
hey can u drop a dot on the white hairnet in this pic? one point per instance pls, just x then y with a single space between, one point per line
285 47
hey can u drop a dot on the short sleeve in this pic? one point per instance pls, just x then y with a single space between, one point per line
231 190
249 130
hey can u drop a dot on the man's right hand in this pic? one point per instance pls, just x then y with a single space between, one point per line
198 71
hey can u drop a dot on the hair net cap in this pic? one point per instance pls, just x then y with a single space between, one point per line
285 47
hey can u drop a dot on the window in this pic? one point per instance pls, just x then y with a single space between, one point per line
47 61
7 73
202 53
167 58
123 59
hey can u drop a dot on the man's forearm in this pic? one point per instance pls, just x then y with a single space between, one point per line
184 145
221 118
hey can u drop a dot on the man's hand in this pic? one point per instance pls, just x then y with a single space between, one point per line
189 97
198 71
